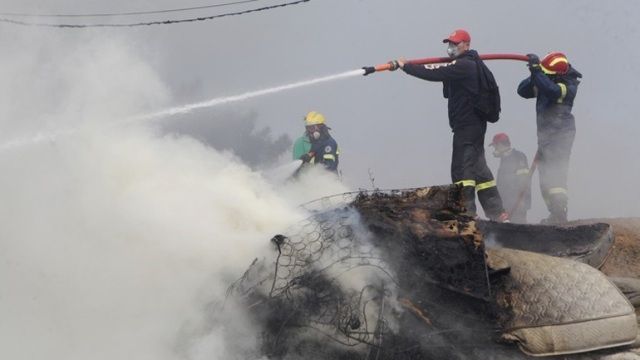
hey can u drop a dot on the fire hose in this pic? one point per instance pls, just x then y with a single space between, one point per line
439 60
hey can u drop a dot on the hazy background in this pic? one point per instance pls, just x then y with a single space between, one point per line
112 238
390 123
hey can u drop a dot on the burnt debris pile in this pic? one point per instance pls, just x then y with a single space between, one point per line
404 275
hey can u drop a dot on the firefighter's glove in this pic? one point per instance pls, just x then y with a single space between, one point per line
306 157
533 62
393 65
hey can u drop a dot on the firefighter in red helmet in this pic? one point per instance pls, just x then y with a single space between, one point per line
554 84
512 178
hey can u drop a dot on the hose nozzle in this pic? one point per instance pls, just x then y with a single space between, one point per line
368 70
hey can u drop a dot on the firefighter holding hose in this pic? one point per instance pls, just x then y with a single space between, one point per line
554 84
462 81
322 147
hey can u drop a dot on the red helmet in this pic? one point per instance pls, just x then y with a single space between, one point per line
555 63
500 138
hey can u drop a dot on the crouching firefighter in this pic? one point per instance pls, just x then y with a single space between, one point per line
554 84
324 149
463 79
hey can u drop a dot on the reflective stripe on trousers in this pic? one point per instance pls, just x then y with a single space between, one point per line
557 190
486 185
466 183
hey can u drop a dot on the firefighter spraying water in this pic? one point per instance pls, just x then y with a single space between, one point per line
474 101
317 146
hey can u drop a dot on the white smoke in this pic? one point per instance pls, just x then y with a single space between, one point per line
113 238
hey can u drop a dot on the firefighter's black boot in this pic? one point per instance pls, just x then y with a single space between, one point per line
492 204
558 210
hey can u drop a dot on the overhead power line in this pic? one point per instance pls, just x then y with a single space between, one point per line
17 14
148 23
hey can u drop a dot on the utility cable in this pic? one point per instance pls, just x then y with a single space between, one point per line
161 22
128 13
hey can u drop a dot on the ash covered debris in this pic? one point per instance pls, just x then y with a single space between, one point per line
327 282
423 236
403 275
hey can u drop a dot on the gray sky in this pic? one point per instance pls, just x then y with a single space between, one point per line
393 124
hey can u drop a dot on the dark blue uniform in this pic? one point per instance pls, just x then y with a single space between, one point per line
513 179
468 164
556 131
326 152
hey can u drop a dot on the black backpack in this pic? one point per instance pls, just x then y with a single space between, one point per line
487 103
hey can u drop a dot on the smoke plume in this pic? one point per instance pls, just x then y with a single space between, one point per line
114 237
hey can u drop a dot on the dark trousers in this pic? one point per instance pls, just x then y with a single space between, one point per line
469 168
554 149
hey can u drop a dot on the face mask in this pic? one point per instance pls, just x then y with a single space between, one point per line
500 151
452 50
316 135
